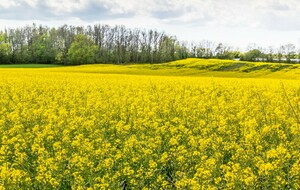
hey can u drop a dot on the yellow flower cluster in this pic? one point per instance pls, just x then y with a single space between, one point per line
69 130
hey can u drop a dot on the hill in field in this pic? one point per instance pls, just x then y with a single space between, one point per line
199 67
186 67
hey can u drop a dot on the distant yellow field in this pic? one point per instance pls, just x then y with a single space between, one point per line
79 128
197 67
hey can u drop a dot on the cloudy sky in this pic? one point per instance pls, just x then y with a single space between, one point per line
235 22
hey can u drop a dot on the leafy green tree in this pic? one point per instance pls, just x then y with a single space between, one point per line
252 55
44 50
290 52
4 48
235 54
82 50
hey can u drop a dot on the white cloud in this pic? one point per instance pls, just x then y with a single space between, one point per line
7 4
223 19
32 3
230 13
66 6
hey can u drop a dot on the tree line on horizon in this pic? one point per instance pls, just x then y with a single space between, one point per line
71 45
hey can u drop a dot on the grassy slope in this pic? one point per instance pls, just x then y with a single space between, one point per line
197 67
187 67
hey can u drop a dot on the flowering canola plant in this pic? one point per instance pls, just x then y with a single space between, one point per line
62 130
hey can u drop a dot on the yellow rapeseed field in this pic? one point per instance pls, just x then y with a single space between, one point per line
72 130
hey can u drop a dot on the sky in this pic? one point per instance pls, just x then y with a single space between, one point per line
234 22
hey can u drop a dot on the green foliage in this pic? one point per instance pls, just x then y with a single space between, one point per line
82 50
252 55
4 48
167 49
43 51
223 52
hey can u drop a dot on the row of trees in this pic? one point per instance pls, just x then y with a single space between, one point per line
105 44
93 44
284 53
